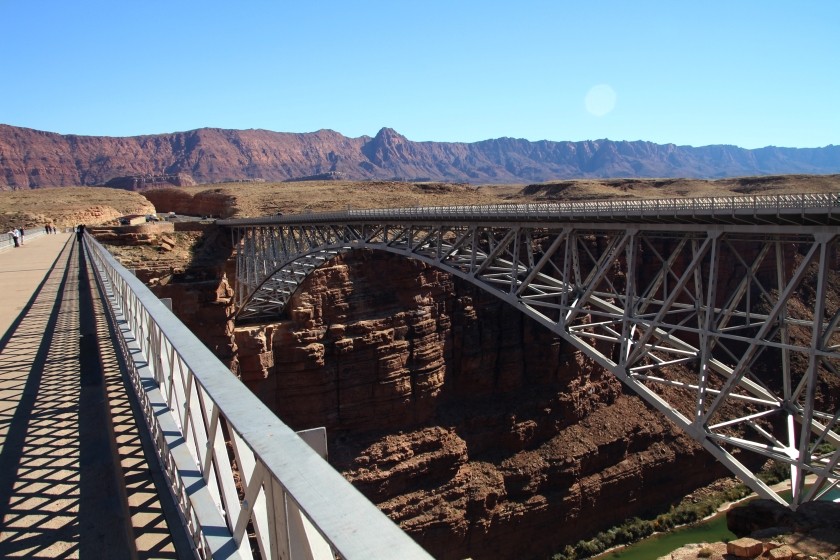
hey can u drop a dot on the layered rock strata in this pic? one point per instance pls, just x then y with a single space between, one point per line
32 158
478 431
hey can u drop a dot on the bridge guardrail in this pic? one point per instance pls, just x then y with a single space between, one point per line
295 502
636 208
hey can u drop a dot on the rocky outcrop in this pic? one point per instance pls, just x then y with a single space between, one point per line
190 266
769 530
479 432
761 515
203 303
212 202
32 158
95 214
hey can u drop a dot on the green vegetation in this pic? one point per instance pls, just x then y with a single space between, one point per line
685 513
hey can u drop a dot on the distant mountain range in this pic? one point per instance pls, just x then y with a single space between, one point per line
31 158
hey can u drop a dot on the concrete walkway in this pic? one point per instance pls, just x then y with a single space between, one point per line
74 480
22 269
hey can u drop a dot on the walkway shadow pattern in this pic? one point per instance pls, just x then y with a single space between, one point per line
69 452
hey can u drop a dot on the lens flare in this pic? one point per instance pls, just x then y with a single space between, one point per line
600 100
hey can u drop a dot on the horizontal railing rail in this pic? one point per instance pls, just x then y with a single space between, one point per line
597 209
233 467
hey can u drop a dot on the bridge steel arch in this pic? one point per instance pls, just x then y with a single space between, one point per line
690 306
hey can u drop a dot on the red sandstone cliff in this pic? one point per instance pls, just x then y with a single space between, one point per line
479 432
212 202
31 158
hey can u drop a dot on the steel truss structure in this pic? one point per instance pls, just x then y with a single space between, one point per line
725 319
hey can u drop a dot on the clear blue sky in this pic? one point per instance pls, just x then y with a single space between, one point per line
750 73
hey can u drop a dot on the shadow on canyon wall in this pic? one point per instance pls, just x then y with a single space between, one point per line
472 426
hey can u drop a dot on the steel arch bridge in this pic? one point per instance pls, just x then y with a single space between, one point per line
716 311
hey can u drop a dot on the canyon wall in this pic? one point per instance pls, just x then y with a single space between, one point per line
473 427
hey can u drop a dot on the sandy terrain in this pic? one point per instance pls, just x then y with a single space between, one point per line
67 206
97 205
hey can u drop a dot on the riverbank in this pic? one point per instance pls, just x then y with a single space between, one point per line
644 539
812 531
717 498
774 531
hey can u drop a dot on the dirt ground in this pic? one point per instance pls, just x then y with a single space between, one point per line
68 206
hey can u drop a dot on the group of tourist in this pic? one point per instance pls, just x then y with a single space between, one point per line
16 234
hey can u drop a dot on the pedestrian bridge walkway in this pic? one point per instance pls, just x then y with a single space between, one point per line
73 478
122 436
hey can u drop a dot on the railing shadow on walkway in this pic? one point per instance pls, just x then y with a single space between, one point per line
76 466
61 469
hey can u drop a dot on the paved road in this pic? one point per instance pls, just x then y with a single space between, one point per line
74 482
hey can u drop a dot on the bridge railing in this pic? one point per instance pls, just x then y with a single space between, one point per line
233 467
635 208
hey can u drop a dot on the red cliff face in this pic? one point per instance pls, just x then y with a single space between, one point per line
482 434
32 158
212 202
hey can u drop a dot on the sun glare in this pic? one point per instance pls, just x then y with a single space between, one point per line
600 100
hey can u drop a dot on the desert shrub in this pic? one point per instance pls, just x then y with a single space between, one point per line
774 473
683 515
623 536
825 447
664 522
635 529
735 493
689 513
568 553
639 528
585 549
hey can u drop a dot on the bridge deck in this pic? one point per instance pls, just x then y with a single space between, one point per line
74 481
